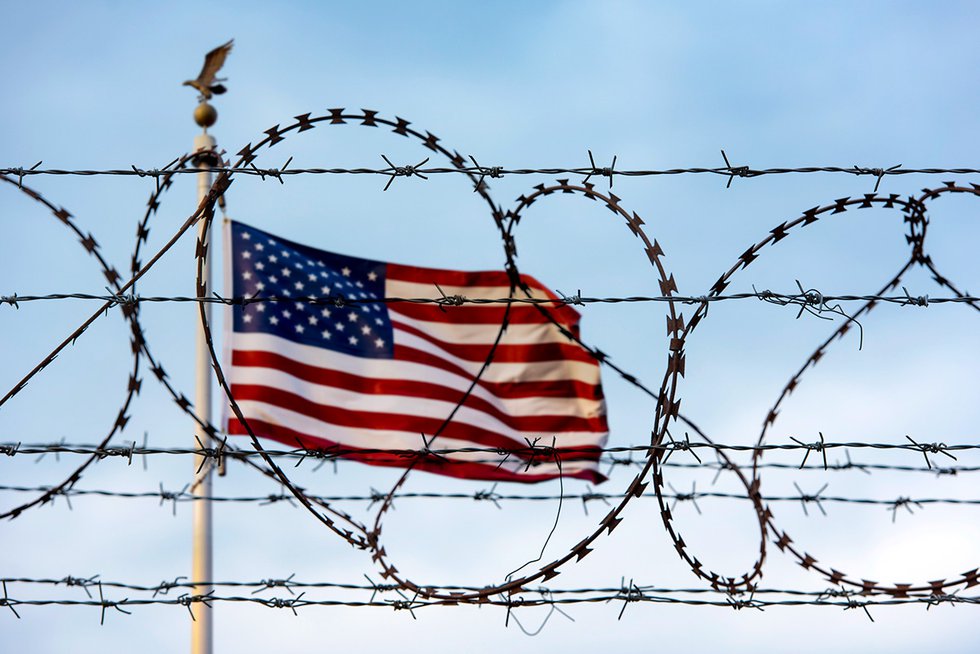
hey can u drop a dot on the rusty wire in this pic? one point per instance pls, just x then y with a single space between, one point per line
666 395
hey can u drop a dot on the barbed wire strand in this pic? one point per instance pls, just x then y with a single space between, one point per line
490 495
808 298
666 395
482 172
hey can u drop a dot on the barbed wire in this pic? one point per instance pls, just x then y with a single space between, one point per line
375 588
666 395
627 593
230 453
810 298
628 596
491 495
530 451
480 173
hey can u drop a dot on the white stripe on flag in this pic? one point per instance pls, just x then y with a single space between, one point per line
396 369
333 396
399 440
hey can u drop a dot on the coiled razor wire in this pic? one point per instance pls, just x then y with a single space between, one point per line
666 395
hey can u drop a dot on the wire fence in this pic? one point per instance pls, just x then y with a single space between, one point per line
809 298
522 587
495 497
481 173
338 454
166 594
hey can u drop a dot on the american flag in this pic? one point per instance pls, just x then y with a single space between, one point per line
362 376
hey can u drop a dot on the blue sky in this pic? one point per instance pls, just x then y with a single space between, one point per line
97 85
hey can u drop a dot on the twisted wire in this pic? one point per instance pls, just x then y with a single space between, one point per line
667 410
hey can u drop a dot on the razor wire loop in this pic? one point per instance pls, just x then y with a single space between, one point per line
207 216
133 385
180 399
582 549
246 156
667 404
914 209
139 343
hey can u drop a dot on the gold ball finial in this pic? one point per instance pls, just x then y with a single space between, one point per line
205 115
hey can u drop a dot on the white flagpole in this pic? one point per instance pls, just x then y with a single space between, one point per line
202 627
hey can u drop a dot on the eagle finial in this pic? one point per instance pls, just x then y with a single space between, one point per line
207 84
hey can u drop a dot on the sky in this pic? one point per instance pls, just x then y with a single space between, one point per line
96 85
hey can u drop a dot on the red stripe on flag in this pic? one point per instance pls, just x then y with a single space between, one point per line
565 388
550 388
432 276
416 424
427 463
505 352
491 315
304 389
410 388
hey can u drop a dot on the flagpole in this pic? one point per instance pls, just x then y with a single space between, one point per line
202 627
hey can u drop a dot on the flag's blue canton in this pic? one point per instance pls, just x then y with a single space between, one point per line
269 266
